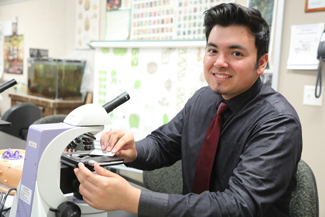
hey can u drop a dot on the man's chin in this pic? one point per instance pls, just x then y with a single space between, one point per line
218 91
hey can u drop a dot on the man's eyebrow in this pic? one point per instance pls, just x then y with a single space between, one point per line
236 46
211 45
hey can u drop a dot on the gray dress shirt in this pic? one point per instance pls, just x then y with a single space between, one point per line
255 166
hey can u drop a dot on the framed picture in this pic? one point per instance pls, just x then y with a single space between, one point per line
314 5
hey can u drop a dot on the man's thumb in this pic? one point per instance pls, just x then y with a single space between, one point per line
102 171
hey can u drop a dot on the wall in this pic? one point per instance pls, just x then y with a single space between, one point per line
45 24
291 85
46 30
50 25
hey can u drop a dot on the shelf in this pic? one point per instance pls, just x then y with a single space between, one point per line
153 43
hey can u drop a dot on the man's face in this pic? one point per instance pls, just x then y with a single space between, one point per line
230 60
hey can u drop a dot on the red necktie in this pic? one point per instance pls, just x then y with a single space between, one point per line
208 153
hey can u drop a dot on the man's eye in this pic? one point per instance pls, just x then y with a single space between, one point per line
212 51
237 54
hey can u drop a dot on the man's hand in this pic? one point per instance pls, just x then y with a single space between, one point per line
120 142
106 190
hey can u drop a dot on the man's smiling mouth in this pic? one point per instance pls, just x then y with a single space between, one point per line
221 76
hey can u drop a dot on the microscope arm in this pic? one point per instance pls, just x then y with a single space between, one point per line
49 168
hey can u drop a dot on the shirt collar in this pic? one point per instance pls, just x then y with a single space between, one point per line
237 102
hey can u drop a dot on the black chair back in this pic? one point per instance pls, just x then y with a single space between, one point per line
21 116
155 180
304 200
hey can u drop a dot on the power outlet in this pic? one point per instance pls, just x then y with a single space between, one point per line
309 96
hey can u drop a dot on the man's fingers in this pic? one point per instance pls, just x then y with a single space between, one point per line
109 139
89 202
123 141
103 172
114 139
84 191
87 178
104 139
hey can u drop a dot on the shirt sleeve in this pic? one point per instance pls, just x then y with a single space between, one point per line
266 169
162 147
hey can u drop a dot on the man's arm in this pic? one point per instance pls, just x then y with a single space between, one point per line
264 174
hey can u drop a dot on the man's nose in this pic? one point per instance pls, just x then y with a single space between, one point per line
221 61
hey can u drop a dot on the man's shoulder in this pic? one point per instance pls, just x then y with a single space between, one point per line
203 99
204 92
276 101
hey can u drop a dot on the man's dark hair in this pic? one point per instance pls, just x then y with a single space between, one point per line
235 14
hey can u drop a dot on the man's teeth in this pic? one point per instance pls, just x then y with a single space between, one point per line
222 76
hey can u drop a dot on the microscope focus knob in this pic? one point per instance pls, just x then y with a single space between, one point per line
68 209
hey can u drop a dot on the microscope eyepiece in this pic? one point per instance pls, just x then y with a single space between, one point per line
119 100
7 85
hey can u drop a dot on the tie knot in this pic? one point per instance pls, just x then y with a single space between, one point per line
222 108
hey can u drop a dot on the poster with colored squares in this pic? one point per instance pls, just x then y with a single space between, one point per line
152 20
189 17
158 80
169 19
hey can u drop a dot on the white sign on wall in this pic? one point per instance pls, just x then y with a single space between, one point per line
158 80
87 22
304 43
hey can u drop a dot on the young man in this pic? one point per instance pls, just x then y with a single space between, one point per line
260 141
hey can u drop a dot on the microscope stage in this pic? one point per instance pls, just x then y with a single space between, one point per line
73 158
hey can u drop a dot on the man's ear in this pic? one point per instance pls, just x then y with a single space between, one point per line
262 64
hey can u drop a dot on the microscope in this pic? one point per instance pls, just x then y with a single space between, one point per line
7 85
48 186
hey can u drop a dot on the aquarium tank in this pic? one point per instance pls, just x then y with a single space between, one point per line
55 78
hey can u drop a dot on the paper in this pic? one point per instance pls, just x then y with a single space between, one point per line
304 43
101 153
117 24
87 22
314 4
7 28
